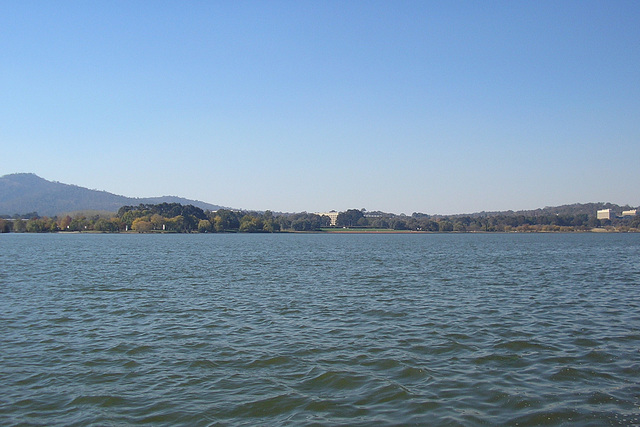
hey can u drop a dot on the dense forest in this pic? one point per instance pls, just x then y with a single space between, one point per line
168 217
177 218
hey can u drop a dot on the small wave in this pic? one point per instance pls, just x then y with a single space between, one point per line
385 314
566 374
522 345
98 361
269 407
33 379
573 374
628 337
139 349
632 370
506 398
411 372
557 417
449 347
499 359
120 348
267 362
599 356
601 398
390 393
131 364
337 380
102 401
382 364
585 342
458 336
203 364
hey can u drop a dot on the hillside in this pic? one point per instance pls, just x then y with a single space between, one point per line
572 209
26 192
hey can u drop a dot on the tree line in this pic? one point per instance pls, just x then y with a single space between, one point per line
169 217
177 218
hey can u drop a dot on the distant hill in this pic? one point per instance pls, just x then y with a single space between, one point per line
573 209
26 192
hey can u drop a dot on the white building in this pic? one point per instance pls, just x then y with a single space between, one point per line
605 214
632 212
333 215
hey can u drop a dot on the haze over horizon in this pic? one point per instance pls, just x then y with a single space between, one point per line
441 108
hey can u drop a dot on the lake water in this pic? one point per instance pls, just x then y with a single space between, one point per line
311 329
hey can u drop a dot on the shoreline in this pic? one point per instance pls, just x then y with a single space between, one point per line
348 231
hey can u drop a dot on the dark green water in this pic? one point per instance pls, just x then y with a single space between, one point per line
485 329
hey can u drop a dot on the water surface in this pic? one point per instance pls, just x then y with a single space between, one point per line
435 329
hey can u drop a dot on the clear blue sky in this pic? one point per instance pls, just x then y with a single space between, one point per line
401 106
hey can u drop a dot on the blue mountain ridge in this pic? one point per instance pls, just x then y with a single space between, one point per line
26 192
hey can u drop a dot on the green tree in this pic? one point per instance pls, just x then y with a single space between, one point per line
19 226
6 226
157 221
250 224
205 226
105 226
52 225
64 222
400 225
459 226
34 226
380 223
445 225
226 220
176 224
141 225
301 224
270 226
349 218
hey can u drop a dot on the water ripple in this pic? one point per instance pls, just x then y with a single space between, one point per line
320 330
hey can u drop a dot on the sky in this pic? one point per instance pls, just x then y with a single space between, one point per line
438 107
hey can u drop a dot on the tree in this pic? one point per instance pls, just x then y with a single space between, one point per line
118 224
226 220
105 226
400 225
141 225
380 223
19 226
128 217
349 218
205 226
459 226
301 224
157 221
176 224
270 226
63 223
5 226
250 224
79 223
445 225
284 223
41 225
325 221
34 226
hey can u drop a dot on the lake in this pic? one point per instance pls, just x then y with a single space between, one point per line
320 329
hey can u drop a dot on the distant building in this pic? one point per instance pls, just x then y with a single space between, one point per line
632 212
605 214
332 214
